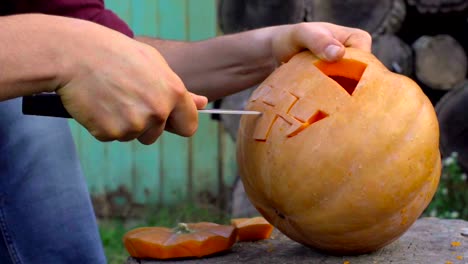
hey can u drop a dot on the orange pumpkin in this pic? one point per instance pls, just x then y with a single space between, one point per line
186 240
252 229
345 156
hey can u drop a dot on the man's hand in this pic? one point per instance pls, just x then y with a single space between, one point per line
121 89
116 87
325 40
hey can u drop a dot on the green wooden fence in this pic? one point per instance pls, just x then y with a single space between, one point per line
125 176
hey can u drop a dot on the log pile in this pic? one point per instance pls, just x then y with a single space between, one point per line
426 40
430 36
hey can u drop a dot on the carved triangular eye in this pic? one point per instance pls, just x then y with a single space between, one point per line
347 73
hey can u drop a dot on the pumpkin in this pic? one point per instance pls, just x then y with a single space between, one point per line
345 156
252 229
185 240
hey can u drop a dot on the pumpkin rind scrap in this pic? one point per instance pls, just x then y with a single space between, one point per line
345 156
252 229
203 239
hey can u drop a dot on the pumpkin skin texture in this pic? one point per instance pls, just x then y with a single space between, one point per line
341 164
187 240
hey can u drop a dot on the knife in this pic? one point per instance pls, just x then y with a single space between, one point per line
50 104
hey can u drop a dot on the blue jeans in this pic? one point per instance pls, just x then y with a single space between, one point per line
46 215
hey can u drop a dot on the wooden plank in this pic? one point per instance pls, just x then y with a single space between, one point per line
120 166
146 159
202 19
93 155
175 149
204 154
145 17
173 19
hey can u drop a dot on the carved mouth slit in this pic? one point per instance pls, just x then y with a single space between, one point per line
347 73
317 116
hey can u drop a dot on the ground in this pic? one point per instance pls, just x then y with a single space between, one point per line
429 240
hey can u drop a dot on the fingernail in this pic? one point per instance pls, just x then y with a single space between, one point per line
332 52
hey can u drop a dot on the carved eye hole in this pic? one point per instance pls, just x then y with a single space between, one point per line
347 73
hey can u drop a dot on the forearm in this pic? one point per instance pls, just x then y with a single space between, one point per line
219 66
30 55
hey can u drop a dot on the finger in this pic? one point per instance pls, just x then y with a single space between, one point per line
359 40
351 37
151 134
183 119
199 100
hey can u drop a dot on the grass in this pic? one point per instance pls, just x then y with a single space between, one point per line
451 198
111 235
113 230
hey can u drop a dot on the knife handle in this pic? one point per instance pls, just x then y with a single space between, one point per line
45 104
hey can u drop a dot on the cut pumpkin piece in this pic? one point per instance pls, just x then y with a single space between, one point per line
252 229
184 241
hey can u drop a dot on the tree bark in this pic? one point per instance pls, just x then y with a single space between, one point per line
452 112
241 15
440 61
375 17
395 54
436 6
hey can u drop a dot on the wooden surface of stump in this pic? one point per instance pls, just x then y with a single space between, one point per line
376 17
452 113
395 54
435 6
428 241
241 15
440 61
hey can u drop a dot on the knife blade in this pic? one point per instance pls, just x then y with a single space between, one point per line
229 112
50 104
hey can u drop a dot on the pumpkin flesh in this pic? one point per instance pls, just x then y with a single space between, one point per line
252 229
353 180
166 243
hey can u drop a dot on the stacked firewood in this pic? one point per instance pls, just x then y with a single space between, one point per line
426 40
423 39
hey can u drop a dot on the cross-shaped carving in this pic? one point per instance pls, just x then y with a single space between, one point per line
300 106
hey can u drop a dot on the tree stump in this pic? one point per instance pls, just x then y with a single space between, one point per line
375 17
429 240
395 54
440 61
452 112
436 6
241 15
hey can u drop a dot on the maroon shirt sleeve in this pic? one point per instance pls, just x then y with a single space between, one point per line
92 10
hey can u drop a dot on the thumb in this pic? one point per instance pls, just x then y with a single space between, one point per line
322 43
332 52
199 100
332 39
